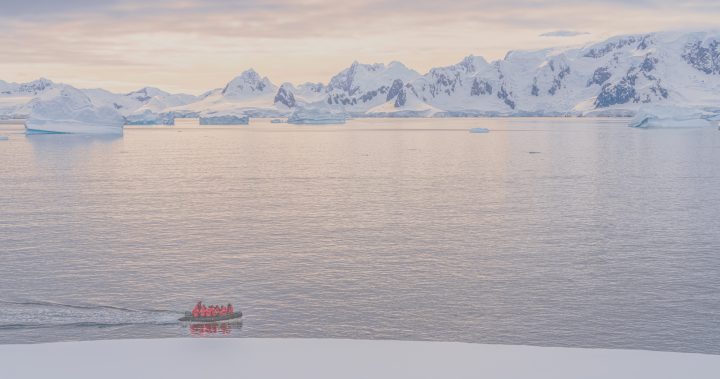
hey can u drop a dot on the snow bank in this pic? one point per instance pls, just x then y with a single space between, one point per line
320 359
69 110
669 116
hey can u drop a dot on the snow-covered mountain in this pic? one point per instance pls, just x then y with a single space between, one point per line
16 98
615 77
248 93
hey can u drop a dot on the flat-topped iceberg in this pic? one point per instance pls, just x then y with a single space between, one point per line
224 118
148 117
316 115
655 116
68 110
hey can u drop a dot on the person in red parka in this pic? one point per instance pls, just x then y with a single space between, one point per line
223 311
230 309
196 310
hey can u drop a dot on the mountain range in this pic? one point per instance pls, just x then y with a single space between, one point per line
614 77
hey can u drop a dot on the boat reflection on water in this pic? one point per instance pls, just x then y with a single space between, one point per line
214 328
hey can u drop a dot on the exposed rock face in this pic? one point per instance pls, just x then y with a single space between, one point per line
704 56
285 97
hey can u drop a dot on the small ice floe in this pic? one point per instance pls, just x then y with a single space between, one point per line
4 138
479 130
533 152
277 121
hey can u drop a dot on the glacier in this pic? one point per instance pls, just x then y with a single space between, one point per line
68 110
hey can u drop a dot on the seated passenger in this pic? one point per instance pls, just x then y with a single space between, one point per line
196 310
230 308
223 311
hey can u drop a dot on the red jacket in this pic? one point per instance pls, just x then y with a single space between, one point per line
230 309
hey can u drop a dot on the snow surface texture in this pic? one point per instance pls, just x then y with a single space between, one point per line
615 77
68 110
319 359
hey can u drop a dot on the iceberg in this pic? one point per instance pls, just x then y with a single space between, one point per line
277 121
68 110
224 118
479 130
148 117
655 116
317 115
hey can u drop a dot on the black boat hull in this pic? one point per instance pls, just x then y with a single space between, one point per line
236 316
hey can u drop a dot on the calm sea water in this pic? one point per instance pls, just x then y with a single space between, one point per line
552 232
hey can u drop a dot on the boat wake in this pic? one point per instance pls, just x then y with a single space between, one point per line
35 314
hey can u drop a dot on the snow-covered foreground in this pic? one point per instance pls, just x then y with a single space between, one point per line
319 359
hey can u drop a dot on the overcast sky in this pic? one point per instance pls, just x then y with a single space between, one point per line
193 45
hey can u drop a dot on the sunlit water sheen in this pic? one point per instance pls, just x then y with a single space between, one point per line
553 232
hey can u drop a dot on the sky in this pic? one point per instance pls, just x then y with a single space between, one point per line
193 46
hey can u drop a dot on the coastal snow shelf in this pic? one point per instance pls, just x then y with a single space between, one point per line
329 358
68 110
